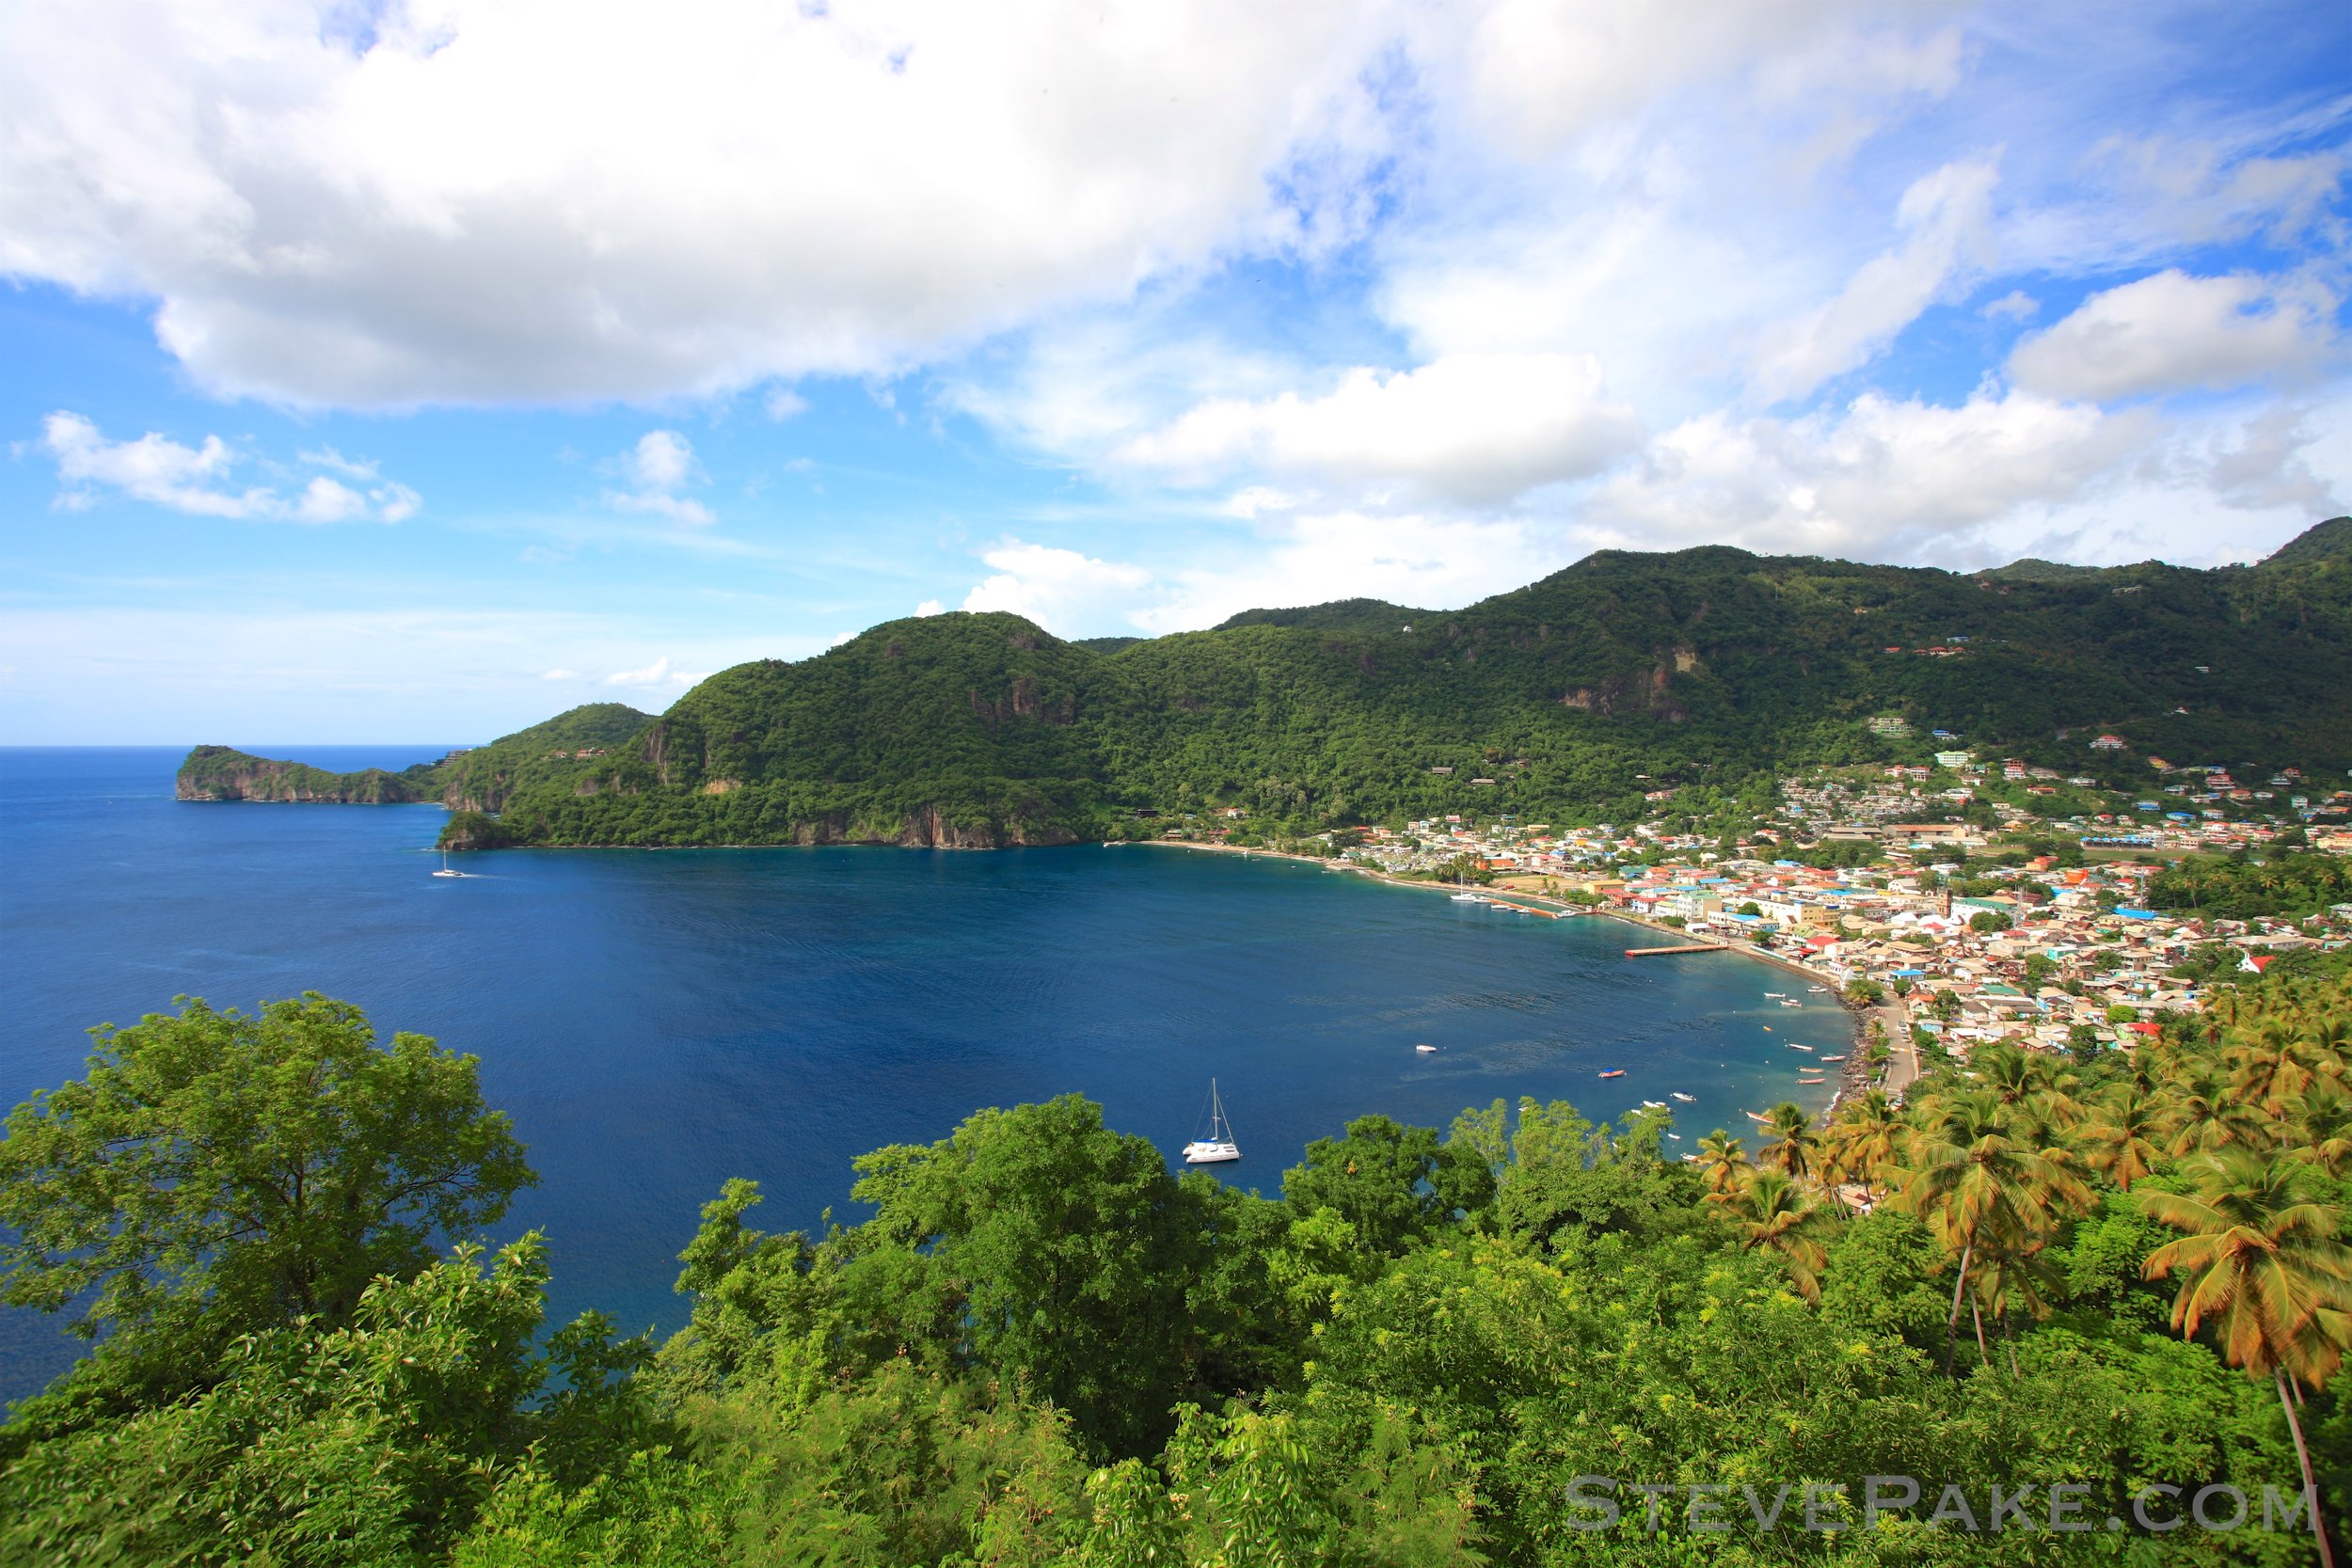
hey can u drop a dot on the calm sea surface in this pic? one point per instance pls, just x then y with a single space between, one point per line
657 1023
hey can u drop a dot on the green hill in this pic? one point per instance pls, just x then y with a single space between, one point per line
1709 671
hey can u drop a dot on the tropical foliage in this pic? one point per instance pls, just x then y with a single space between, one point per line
1043 1347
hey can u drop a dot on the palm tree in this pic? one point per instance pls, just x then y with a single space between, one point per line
1770 1211
2207 1113
2320 1127
1980 1187
1722 1163
1795 1149
2123 1138
2276 1063
2262 1266
1864 1136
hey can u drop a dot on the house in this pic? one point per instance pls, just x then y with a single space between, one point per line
2107 743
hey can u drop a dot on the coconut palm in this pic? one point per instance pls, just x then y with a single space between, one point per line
2275 1063
1723 1163
1795 1150
1771 1212
2259 1265
1979 1186
1864 1136
2319 1128
2123 1136
2206 1114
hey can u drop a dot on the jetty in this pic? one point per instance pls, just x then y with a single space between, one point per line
1683 947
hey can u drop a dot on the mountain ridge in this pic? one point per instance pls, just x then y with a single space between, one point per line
1620 677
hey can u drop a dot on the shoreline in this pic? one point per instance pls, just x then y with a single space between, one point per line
1852 1079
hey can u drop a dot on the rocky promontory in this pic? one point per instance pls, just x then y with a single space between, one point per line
225 773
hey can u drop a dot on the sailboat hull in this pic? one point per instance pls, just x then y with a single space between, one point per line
1210 1154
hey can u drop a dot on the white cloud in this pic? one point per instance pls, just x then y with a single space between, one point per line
2016 306
1476 428
559 676
2267 468
1883 480
532 199
657 469
196 479
1060 589
1945 217
931 607
782 404
2171 332
658 674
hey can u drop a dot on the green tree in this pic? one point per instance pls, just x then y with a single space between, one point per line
2261 1266
1391 1181
1770 1211
1039 1245
217 1174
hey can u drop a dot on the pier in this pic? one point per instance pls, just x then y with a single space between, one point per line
1685 948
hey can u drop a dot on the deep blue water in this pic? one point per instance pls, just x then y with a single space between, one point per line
657 1023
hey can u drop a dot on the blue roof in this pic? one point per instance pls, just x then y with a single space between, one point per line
2135 914
1793 865
1909 973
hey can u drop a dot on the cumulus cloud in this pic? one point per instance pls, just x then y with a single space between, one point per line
655 469
196 479
1881 479
2172 332
1060 589
538 201
2266 467
1474 428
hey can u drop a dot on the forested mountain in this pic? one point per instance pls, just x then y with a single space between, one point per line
1568 699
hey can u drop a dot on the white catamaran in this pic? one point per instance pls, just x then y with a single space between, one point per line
1219 1146
445 871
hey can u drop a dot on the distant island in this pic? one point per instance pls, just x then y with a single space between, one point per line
1628 684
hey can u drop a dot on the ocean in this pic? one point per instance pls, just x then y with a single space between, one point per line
659 1022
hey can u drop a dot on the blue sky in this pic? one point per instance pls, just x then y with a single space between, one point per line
414 371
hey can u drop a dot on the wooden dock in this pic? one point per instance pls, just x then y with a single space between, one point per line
1685 948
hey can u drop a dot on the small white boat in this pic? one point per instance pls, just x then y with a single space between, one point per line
1840 1057
1675 1136
1819 990
1794 1046
1792 1002
1655 1105
1218 1146
445 871
1468 898
1426 1050
1685 1098
1774 995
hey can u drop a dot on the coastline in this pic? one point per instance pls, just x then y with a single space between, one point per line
1853 1079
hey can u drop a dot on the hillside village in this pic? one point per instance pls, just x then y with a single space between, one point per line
1904 886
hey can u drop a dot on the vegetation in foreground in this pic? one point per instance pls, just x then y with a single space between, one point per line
2088 1280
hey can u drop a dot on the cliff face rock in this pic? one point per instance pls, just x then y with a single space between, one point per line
928 827
225 773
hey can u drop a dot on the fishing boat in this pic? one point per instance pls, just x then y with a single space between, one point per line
1840 1057
1685 1098
1615 1072
1756 1116
1219 1146
1774 995
1791 1002
1794 1046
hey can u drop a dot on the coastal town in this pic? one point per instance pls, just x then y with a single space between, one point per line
1953 904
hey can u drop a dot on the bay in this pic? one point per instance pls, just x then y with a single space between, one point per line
658 1021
